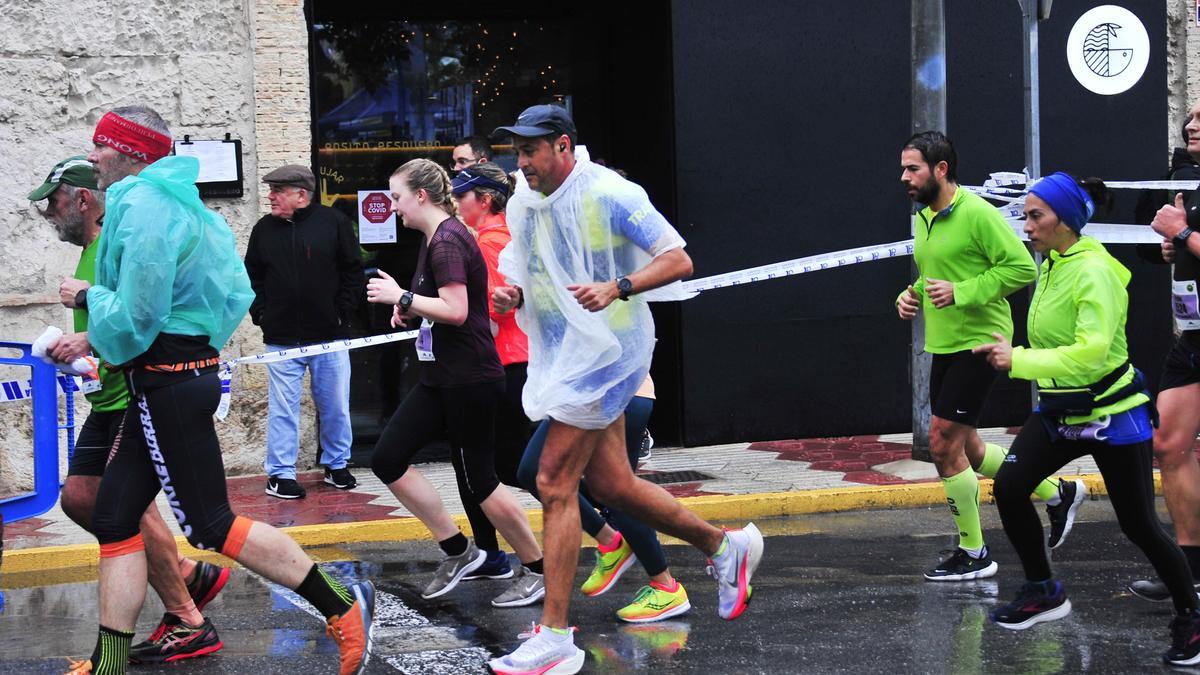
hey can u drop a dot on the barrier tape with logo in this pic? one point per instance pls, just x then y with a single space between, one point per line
998 187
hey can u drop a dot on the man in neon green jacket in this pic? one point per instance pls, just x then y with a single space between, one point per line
969 260
1091 401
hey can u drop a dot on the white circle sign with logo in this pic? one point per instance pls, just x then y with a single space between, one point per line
1108 50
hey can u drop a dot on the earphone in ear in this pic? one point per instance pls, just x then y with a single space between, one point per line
562 147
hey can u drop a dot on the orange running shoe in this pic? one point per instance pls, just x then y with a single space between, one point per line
352 630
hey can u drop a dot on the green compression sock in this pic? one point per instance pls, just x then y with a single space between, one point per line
962 494
993 457
111 655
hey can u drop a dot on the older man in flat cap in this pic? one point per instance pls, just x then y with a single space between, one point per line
307 276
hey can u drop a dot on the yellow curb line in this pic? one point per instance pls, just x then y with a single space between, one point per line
736 508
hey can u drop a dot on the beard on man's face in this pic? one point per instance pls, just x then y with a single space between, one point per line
928 193
69 227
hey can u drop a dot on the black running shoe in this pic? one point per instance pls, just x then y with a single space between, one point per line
1154 590
1033 605
1185 641
341 478
175 640
284 488
1062 515
960 566
209 581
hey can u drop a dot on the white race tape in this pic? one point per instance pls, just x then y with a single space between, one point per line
811 263
1153 184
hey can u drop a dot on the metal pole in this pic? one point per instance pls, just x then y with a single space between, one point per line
1030 12
928 113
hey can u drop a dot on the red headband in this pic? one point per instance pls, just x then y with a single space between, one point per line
129 138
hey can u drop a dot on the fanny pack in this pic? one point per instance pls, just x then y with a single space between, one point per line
1081 401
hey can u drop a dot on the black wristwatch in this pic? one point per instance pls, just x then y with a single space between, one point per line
81 299
624 288
1181 238
405 301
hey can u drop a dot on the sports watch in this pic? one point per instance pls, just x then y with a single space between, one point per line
1181 238
405 301
624 288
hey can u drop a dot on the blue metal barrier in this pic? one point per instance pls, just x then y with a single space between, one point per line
45 438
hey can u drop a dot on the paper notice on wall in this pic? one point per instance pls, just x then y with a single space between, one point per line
376 222
218 159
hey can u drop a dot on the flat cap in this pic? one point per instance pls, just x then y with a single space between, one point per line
292 174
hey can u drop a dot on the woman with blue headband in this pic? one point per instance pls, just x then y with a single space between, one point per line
1091 401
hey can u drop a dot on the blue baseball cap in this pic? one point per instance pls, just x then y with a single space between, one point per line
541 120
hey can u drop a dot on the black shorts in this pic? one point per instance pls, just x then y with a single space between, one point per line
1182 366
959 384
95 442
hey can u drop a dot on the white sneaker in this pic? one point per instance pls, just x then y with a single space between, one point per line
542 653
734 569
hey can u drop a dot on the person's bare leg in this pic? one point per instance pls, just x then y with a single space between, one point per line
162 562
611 479
947 446
505 513
564 456
605 536
418 495
974 448
122 590
78 499
274 555
1179 409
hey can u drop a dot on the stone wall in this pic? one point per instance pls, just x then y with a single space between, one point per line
221 66
1183 63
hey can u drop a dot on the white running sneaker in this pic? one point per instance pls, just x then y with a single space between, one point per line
734 569
542 653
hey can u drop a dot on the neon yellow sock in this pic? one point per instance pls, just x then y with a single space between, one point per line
962 494
993 457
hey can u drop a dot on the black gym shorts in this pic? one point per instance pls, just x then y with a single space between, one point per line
959 384
1182 366
95 441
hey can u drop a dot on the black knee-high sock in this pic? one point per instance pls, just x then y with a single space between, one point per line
325 593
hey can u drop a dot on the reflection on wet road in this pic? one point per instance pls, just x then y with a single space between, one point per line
836 593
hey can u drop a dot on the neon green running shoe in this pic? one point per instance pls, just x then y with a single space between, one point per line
655 603
609 567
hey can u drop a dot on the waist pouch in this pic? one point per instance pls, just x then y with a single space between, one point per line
1079 402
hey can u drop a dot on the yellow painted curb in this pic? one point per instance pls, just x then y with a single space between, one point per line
81 559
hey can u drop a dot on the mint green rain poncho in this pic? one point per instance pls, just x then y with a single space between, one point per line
166 264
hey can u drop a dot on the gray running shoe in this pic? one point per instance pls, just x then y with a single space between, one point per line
453 569
527 588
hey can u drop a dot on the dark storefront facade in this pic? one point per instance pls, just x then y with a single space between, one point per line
764 132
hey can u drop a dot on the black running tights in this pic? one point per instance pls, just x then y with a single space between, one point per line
1127 476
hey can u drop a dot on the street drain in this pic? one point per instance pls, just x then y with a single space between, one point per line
666 477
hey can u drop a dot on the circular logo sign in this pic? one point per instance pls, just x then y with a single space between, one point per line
1108 50
376 207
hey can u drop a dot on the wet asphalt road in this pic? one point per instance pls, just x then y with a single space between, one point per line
835 593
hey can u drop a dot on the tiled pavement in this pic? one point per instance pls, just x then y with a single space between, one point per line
735 469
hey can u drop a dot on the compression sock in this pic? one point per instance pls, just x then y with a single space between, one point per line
962 495
111 655
993 457
325 593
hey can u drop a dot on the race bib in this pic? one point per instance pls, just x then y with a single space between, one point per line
1185 305
425 341
90 385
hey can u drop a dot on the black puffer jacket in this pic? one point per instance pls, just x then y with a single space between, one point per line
307 276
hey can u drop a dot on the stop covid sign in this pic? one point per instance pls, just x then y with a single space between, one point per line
376 207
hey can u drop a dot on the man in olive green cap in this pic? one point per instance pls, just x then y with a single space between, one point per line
75 207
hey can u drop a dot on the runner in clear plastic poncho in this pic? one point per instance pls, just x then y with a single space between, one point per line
588 251
584 367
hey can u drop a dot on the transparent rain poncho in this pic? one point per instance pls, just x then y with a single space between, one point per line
164 264
584 367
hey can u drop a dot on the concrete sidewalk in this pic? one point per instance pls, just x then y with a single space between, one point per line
723 482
